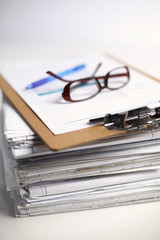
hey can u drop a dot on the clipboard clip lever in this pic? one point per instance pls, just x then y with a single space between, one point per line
144 118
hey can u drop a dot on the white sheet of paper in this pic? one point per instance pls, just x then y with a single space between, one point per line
93 183
14 125
60 116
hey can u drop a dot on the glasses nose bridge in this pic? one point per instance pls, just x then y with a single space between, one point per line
102 82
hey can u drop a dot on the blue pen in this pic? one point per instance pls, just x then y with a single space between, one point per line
49 79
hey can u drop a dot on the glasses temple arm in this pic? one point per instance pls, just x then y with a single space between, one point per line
98 66
56 76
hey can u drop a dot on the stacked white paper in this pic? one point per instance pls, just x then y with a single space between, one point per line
118 171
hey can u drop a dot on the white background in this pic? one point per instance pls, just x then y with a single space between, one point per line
36 29
75 22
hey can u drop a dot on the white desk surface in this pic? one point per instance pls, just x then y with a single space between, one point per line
140 221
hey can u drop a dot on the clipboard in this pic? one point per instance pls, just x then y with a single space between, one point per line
65 140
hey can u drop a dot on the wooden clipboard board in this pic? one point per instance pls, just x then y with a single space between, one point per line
65 140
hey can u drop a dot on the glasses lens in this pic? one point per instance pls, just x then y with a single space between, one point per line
82 90
118 78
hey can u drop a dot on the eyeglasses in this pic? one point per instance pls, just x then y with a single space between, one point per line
86 88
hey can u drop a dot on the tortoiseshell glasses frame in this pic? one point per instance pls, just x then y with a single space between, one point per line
113 80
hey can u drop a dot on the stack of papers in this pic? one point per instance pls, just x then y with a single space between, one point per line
116 170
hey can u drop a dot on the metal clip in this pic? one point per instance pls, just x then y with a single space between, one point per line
144 118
